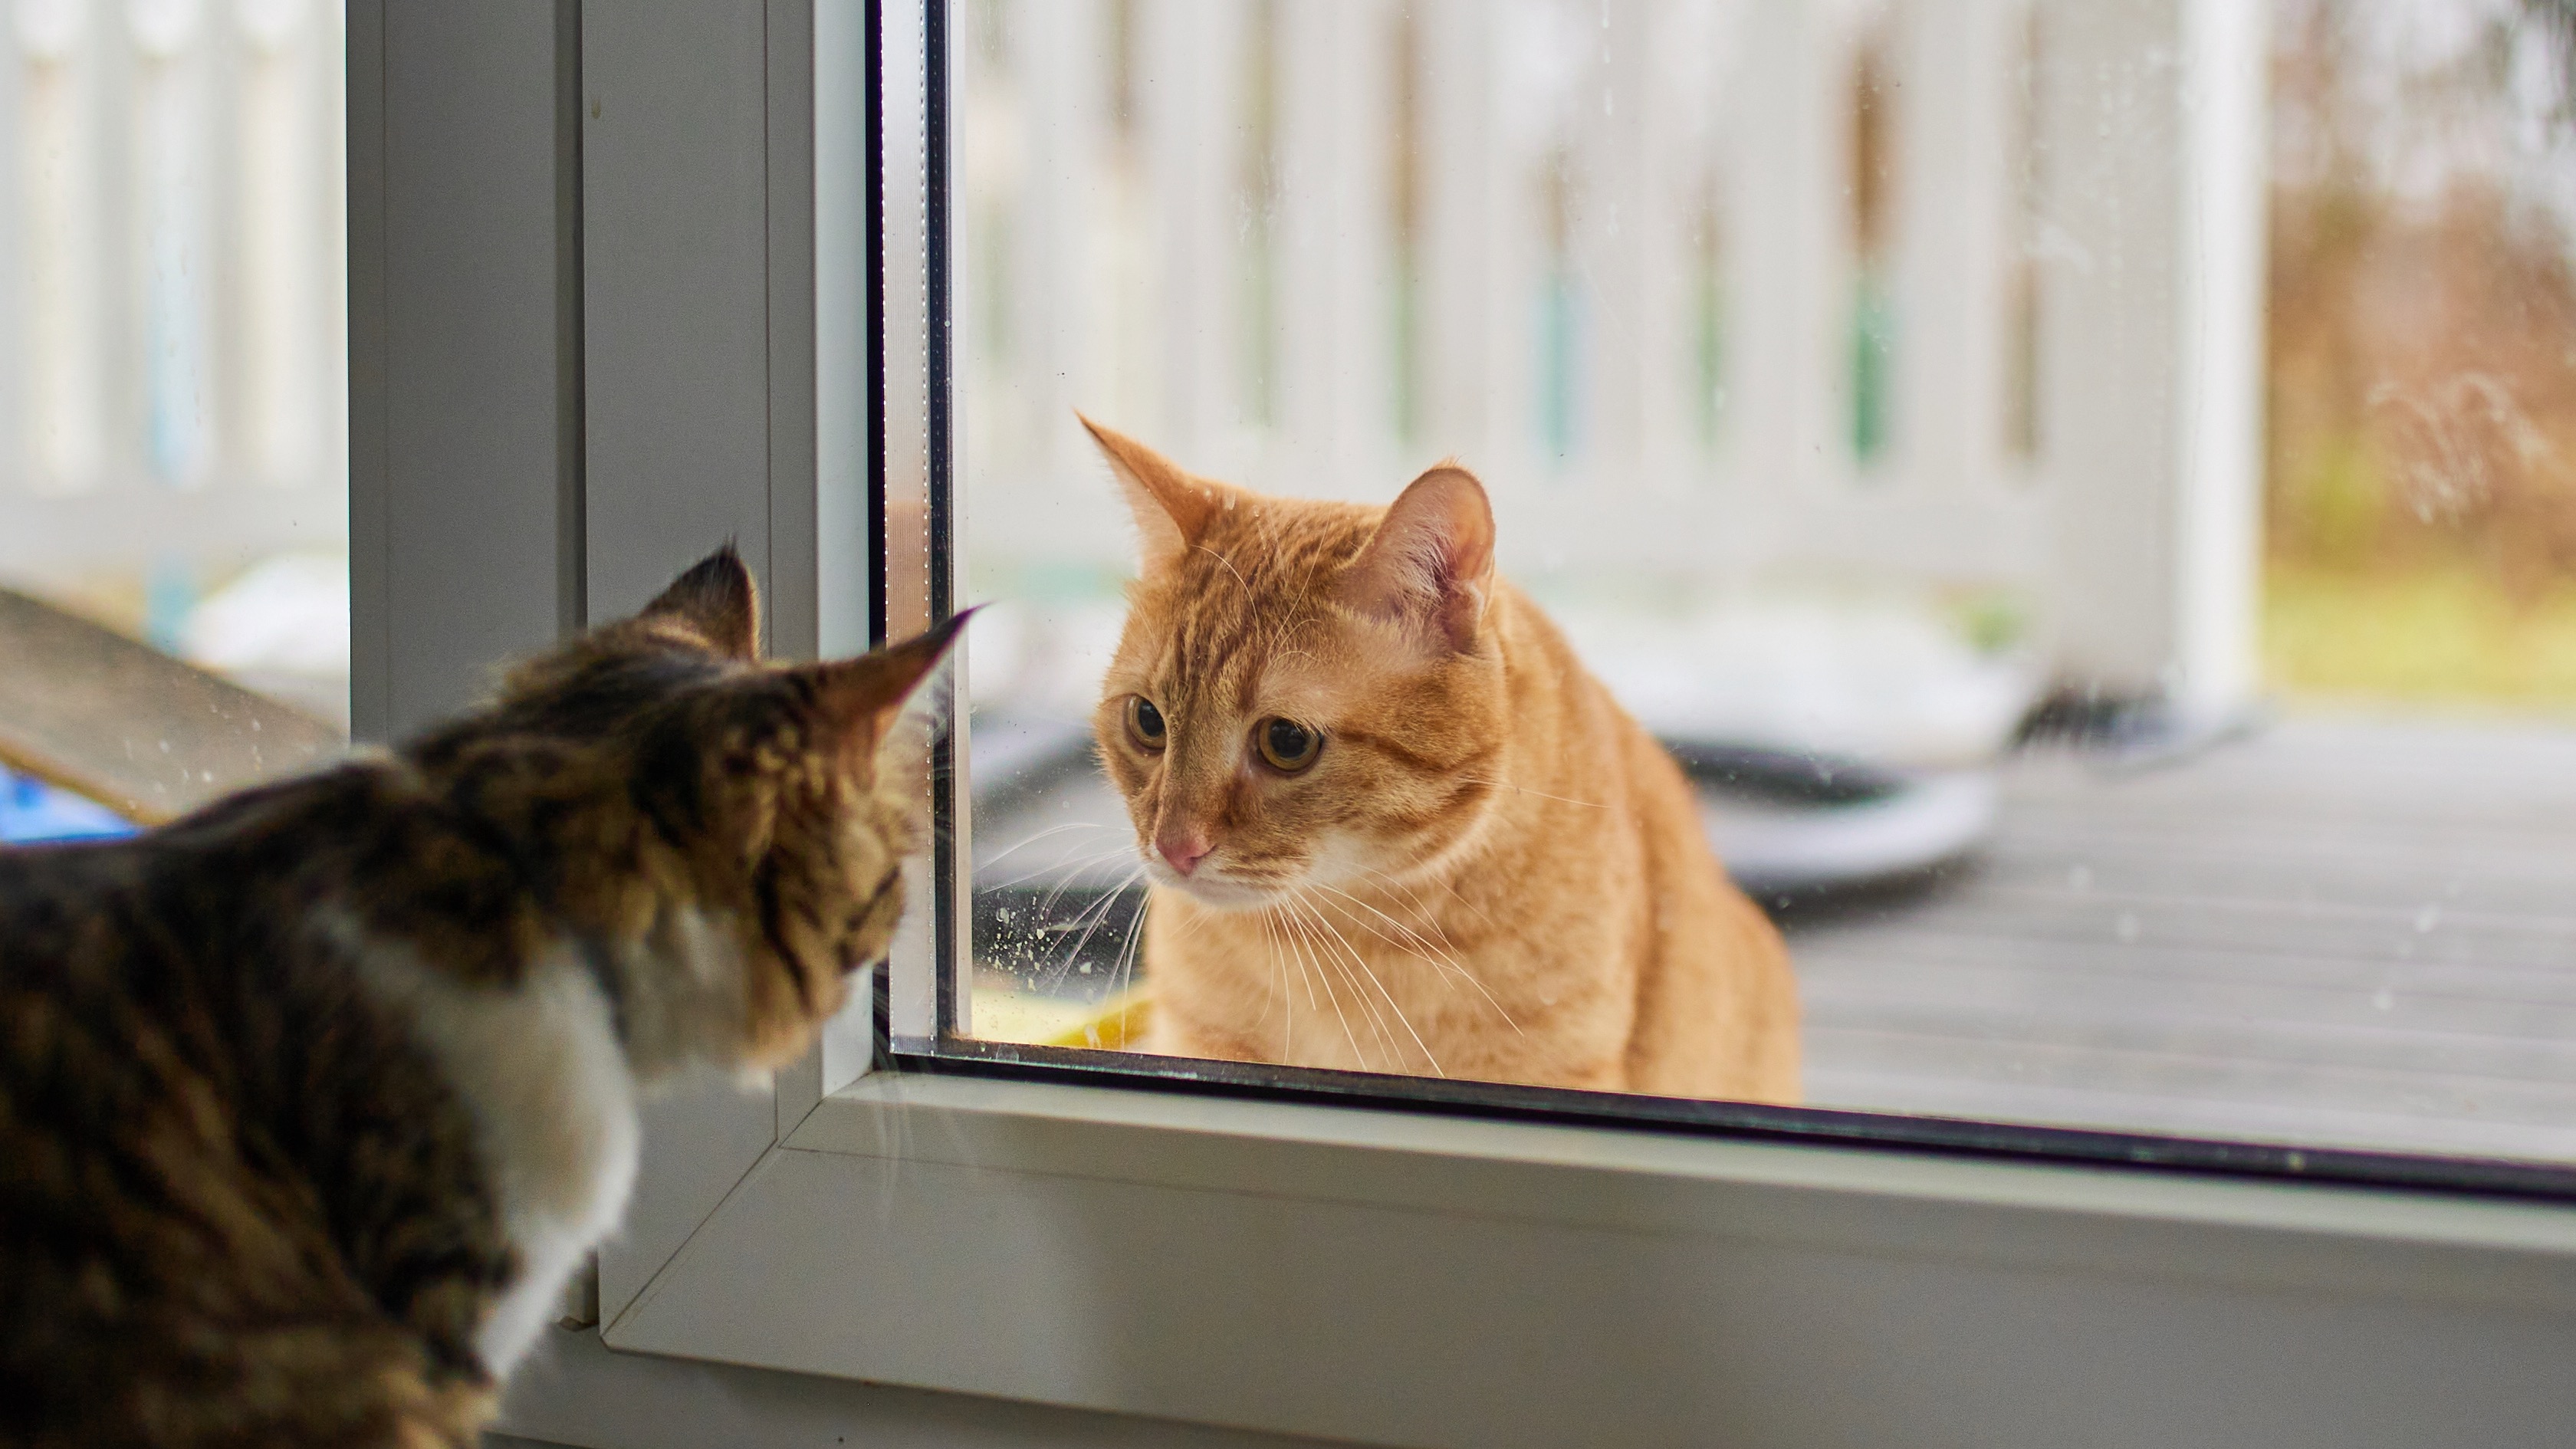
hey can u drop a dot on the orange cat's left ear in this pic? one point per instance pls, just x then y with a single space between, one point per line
1431 562
863 699
1172 508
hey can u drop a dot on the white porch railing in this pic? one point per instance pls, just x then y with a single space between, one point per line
1961 292
173 376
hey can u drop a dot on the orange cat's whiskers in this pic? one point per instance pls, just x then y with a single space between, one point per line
1047 924
1095 914
1324 971
1436 952
1526 790
1071 869
1049 832
1277 983
1361 961
1296 929
1337 950
1421 907
1125 973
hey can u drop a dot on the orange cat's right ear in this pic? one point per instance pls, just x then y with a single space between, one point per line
1430 565
1172 508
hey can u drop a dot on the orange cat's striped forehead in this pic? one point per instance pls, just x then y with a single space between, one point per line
1255 584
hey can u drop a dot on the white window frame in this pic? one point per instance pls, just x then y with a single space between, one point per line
587 331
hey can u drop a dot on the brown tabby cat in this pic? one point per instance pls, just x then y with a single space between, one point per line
1391 823
311 1102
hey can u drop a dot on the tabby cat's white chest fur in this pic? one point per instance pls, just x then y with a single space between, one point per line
555 1116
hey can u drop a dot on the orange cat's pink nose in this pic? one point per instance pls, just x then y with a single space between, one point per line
1183 848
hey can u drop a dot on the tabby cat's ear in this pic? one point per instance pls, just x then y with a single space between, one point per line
1430 565
1172 508
865 701
718 601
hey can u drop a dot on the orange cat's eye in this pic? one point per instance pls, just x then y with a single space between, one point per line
1145 723
1286 744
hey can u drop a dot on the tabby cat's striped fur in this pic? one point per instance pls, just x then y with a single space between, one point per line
310 1102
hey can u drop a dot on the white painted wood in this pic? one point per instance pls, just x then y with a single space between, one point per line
2151 345
2219 490
136 332
1398 1279
1941 104
1465 336
1059 304
1773 243
1334 308
1192 54
172 239
55 204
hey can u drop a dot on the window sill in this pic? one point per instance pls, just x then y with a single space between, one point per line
1399 1278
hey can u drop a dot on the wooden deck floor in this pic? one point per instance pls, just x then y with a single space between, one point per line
2335 932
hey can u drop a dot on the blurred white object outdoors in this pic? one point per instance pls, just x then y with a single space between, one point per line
281 628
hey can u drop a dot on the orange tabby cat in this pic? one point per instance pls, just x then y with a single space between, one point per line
1392 824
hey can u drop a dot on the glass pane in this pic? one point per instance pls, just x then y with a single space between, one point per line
2000 561
174 596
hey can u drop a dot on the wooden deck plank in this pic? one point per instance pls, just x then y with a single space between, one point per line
1929 960
2317 926
2340 931
146 735
2381 1017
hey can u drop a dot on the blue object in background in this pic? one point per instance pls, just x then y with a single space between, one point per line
31 810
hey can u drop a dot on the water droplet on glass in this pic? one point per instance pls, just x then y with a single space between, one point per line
2427 918
2125 926
2385 999
2079 878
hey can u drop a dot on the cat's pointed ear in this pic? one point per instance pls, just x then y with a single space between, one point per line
1430 565
1172 508
718 601
873 699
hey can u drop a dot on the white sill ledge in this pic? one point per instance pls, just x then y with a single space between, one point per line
1394 1278
1826 1195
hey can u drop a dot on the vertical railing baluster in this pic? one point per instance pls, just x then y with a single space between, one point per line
279 225
1334 274
62 362
171 251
